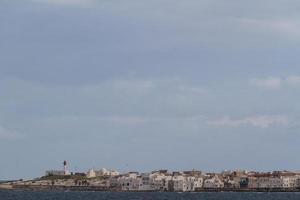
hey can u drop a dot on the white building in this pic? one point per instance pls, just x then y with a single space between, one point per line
193 182
154 181
179 183
91 173
214 182
185 183
106 172
269 182
232 183
289 181
145 183
159 181
103 172
130 181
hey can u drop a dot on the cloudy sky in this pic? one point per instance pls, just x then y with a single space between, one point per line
144 85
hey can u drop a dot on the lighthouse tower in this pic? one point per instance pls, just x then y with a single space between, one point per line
66 172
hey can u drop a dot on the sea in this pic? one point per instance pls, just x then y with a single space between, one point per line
26 195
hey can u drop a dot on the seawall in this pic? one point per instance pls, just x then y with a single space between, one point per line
106 189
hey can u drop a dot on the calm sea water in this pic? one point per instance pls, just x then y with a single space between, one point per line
18 195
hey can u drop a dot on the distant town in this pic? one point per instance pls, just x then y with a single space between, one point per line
160 180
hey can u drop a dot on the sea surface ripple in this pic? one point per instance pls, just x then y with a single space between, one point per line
26 195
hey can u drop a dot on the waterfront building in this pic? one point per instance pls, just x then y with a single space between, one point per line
130 181
298 183
289 181
154 181
269 182
252 182
160 180
192 183
145 184
231 184
178 183
114 182
214 182
244 182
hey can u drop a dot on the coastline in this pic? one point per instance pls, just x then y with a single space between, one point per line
6 187
106 189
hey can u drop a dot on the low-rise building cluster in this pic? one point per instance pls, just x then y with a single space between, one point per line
162 180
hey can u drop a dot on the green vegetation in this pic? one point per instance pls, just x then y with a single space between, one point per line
63 177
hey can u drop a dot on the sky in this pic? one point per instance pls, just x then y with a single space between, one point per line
145 85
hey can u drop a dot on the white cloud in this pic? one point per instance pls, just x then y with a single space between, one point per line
276 82
262 121
268 83
8 134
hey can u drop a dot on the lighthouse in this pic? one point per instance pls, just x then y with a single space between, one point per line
65 167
